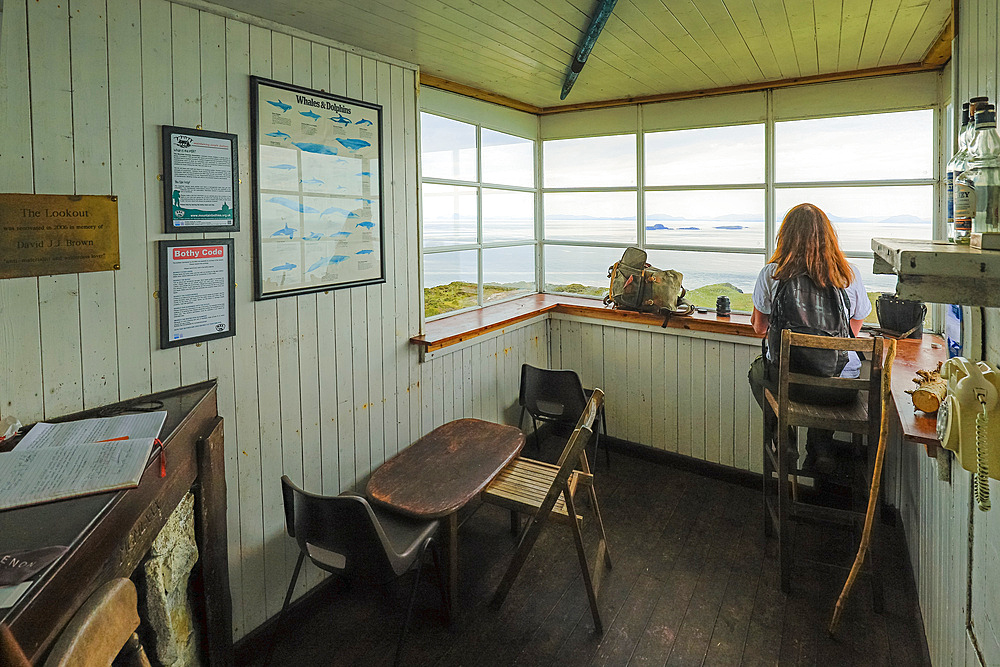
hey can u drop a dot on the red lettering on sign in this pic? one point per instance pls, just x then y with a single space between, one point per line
201 252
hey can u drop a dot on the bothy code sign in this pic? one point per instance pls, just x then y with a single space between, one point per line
197 292
44 235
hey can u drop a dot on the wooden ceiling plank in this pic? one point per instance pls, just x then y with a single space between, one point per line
710 17
852 33
940 51
828 22
775 22
880 19
744 15
903 28
802 26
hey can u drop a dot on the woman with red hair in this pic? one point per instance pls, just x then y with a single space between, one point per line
808 246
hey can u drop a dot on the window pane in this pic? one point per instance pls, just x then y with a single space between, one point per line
853 148
706 156
708 275
590 216
508 272
876 284
508 160
733 218
508 216
590 162
447 148
449 214
450 281
858 214
579 270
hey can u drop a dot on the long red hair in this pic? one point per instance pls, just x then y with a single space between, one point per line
807 244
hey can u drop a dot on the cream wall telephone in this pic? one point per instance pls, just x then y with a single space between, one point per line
968 421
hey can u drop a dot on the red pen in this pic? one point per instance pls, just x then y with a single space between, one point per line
124 437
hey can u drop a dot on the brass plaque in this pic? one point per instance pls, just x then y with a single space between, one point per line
44 235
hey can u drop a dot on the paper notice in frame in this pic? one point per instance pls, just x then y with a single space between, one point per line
197 295
200 181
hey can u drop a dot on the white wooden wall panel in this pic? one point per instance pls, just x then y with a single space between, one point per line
667 390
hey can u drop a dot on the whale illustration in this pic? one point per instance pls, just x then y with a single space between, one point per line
312 236
284 136
367 225
281 105
294 205
364 173
341 234
364 121
311 181
337 259
284 267
340 119
363 252
286 231
353 144
309 114
282 166
362 199
316 148
334 209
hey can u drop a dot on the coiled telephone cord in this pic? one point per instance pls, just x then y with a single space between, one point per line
981 483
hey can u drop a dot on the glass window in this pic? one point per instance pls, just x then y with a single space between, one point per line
859 213
607 217
450 213
447 148
579 269
508 215
601 162
508 272
853 148
708 275
730 218
508 160
451 281
707 156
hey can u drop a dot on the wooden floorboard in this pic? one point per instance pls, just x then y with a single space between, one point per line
694 582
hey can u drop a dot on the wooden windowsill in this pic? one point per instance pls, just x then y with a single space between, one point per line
913 355
465 326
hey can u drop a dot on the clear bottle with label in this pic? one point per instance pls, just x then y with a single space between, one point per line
984 172
956 165
964 189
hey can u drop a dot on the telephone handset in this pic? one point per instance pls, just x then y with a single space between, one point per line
968 421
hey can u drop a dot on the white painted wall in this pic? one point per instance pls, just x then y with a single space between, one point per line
939 517
322 387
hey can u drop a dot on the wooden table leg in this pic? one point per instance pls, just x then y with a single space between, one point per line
451 555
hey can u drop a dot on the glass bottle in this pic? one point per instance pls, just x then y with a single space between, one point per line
956 165
984 171
964 191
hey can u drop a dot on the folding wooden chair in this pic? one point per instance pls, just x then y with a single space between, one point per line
542 490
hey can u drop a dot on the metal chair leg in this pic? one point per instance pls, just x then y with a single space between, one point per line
284 608
409 607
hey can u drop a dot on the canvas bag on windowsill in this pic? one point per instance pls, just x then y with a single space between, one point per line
635 285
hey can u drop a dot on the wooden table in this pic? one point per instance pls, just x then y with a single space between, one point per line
441 472
913 354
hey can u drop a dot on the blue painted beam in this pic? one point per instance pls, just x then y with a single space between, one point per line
583 52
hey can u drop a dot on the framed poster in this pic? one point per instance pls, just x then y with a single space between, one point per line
197 291
317 187
200 181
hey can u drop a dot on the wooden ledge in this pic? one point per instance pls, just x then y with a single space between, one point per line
465 326
913 355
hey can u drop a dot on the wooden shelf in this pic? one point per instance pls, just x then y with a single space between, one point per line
913 355
940 272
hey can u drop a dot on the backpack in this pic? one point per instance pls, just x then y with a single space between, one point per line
635 285
803 307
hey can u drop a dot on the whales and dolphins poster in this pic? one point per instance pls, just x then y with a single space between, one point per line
317 185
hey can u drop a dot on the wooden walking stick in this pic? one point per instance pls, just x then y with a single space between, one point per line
883 437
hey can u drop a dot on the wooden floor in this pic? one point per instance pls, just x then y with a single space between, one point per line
694 582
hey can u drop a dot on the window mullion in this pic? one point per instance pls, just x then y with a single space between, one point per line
770 224
640 182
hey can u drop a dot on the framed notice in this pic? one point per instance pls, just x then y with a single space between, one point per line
317 187
197 293
200 181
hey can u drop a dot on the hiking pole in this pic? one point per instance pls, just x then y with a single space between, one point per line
883 437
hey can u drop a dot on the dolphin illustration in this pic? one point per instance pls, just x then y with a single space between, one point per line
364 173
309 114
281 105
282 166
364 121
363 252
312 237
311 181
367 225
315 265
353 144
362 199
337 259
285 267
286 231
334 209
284 136
294 205
340 119
341 234
315 148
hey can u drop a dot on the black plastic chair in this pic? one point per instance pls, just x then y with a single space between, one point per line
557 396
347 536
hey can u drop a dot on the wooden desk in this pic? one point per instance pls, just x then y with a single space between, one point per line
109 534
913 355
441 472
